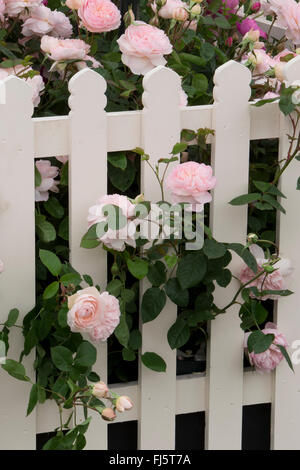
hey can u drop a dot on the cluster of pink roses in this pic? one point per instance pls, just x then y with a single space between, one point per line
121 404
48 183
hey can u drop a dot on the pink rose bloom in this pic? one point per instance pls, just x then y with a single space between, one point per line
36 82
1 266
99 16
266 7
2 10
64 49
93 313
247 24
115 239
190 182
169 8
43 21
284 53
143 47
261 60
288 13
62 158
269 359
15 7
48 173
274 281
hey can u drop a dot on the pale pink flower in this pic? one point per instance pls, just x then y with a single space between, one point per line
124 403
108 414
99 16
115 239
266 7
43 21
93 313
2 10
73 4
261 61
269 359
62 158
169 8
288 14
270 95
274 281
191 25
64 49
143 47
15 7
190 182
36 82
48 173
1 266
100 390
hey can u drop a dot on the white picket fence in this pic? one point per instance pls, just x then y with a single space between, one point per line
86 135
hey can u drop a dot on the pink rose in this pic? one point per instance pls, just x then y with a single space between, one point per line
48 173
36 82
1 266
288 14
64 49
247 24
143 47
43 21
123 403
190 182
274 281
269 359
15 7
108 414
62 158
100 390
261 61
93 313
115 239
73 4
169 8
99 16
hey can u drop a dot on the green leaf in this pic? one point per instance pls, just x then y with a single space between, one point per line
91 239
153 302
245 199
15 369
62 317
54 207
135 339
213 249
128 355
71 278
154 362
55 443
271 200
179 296
200 83
86 355
298 184
178 334
286 356
245 254
122 179
157 273
258 342
222 22
93 377
88 279
117 159
51 261
12 317
37 177
114 287
137 267
192 59
191 270
178 148
45 324
171 260
122 331
33 398
62 358
45 231
63 229
223 277
51 290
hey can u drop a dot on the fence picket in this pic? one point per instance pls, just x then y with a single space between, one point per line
160 131
286 398
230 159
88 181
17 250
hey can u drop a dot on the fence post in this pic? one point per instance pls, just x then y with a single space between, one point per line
230 159
17 250
160 131
87 182
286 398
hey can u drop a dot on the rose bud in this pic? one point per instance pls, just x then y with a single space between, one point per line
180 14
73 4
100 390
196 10
123 403
108 414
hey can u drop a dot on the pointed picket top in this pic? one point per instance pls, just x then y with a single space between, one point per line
232 83
161 86
17 94
292 70
87 89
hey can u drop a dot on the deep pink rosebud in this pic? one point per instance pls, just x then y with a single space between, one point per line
45 2
229 41
256 7
247 24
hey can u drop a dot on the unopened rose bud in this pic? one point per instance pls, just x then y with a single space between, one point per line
279 71
252 238
100 390
255 7
140 198
154 21
73 4
108 414
128 17
268 268
229 41
114 269
180 14
252 35
196 10
123 403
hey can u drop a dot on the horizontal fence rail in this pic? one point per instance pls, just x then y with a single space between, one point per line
86 135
